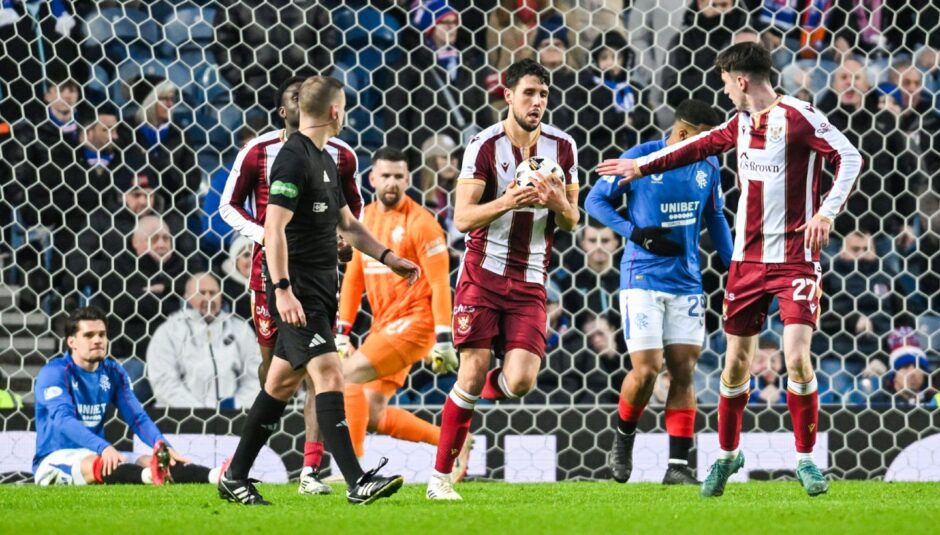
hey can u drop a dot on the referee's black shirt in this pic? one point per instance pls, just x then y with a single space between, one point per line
304 180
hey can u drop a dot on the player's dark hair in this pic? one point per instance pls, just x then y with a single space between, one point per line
317 93
89 313
697 113
526 67
389 154
285 85
751 59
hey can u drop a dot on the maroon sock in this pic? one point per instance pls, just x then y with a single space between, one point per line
491 389
455 424
803 402
731 405
313 454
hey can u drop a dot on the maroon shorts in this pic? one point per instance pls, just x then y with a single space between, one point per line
753 285
491 311
265 328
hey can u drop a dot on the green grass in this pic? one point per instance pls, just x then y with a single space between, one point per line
488 508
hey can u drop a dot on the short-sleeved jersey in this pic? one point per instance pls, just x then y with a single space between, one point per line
71 404
780 152
518 244
245 196
304 180
679 199
411 232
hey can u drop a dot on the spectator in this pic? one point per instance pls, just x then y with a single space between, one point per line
59 120
236 270
216 233
908 383
144 286
167 150
565 97
594 276
618 115
599 369
707 28
259 44
767 385
436 91
202 356
436 181
927 60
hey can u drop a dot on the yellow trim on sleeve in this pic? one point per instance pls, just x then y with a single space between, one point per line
572 187
636 167
475 181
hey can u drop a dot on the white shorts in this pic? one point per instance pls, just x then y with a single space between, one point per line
653 320
64 467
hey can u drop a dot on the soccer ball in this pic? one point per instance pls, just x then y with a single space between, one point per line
525 172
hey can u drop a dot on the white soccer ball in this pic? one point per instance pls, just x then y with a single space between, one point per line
526 171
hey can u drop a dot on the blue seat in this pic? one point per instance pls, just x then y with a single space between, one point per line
127 39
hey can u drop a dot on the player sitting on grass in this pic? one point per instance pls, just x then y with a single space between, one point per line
73 393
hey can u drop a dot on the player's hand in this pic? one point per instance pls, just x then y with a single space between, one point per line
520 197
110 459
626 169
403 267
342 339
443 357
344 251
653 239
816 232
551 192
175 457
289 307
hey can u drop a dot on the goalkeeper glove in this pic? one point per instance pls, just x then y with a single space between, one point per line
342 339
653 239
443 357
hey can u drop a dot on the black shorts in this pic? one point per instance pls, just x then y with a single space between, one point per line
297 345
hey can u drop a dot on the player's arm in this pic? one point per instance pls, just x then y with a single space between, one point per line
696 148
238 186
560 200
827 140
469 214
52 392
135 416
717 223
287 187
435 262
359 236
163 371
350 297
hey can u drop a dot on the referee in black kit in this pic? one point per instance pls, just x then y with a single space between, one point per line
305 208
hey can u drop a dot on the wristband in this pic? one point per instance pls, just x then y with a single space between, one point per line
383 255
343 328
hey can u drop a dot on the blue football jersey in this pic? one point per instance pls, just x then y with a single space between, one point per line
679 200
71 405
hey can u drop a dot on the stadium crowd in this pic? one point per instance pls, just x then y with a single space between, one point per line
123 120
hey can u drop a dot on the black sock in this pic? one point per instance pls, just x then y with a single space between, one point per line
625 427
127 473
331 414
189 473
679 448
261 423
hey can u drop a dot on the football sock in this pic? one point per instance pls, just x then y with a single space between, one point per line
313 454
455 424
731 405
680 426
803 402
127 473
332 417
189 473
627 416
357 414
399 423
262 421
495 388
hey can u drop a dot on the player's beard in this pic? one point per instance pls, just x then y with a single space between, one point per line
390 198
521 121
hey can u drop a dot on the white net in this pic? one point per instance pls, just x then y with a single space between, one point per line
167 91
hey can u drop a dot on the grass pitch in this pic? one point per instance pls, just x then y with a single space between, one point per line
488 508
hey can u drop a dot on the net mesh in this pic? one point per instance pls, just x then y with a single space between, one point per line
176 88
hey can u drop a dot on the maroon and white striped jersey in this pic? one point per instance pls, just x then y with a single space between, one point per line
518 244
245 197
780 152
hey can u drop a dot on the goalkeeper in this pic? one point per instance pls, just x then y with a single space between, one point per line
410 323
73 393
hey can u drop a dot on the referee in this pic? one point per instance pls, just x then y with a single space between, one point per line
306 206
